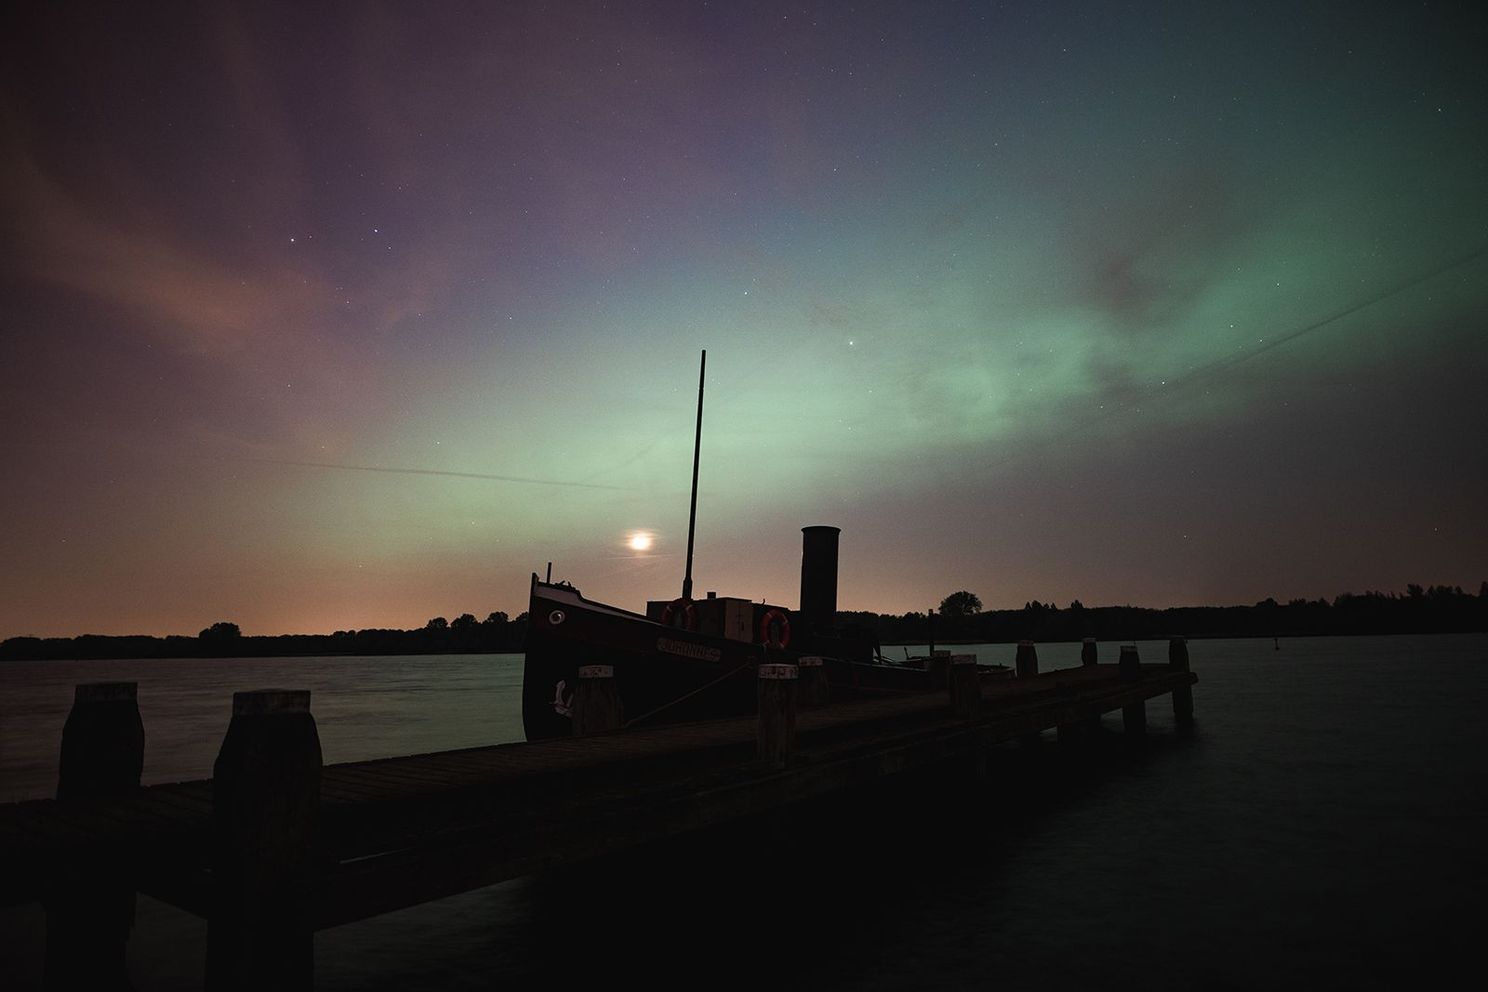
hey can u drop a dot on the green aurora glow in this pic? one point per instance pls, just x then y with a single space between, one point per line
990 289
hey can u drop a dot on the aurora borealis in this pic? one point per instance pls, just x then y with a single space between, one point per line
996 288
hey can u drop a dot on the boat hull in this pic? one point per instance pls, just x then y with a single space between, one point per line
666 674
662 673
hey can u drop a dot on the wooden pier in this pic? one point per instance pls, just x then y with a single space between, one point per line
277 846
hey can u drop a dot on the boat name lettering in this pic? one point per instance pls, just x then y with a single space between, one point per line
699 651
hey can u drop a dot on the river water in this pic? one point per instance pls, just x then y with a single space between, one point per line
1323 829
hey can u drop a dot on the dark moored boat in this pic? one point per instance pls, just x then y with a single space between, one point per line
694 659
685 659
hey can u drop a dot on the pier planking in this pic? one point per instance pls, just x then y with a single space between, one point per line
396 832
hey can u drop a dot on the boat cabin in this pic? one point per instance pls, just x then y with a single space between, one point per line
728 617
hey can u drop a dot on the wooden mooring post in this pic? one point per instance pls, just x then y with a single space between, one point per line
1183 694
1025 663
596 704
939 668
1134 716
90 902
265 845
1089 658
813 692
966 686
777 713
1025 666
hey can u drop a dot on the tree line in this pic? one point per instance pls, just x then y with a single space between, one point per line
497 634
1421 610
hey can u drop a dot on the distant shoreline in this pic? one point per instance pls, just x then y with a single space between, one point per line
1437 610
1222 636
311 656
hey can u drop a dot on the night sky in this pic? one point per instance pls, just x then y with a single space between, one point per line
1157 304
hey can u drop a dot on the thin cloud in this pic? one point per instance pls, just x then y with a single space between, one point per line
440 472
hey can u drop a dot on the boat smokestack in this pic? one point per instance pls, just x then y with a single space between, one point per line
819 577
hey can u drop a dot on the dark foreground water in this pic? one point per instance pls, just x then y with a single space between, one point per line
1324 829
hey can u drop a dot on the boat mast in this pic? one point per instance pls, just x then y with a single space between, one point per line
697 448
